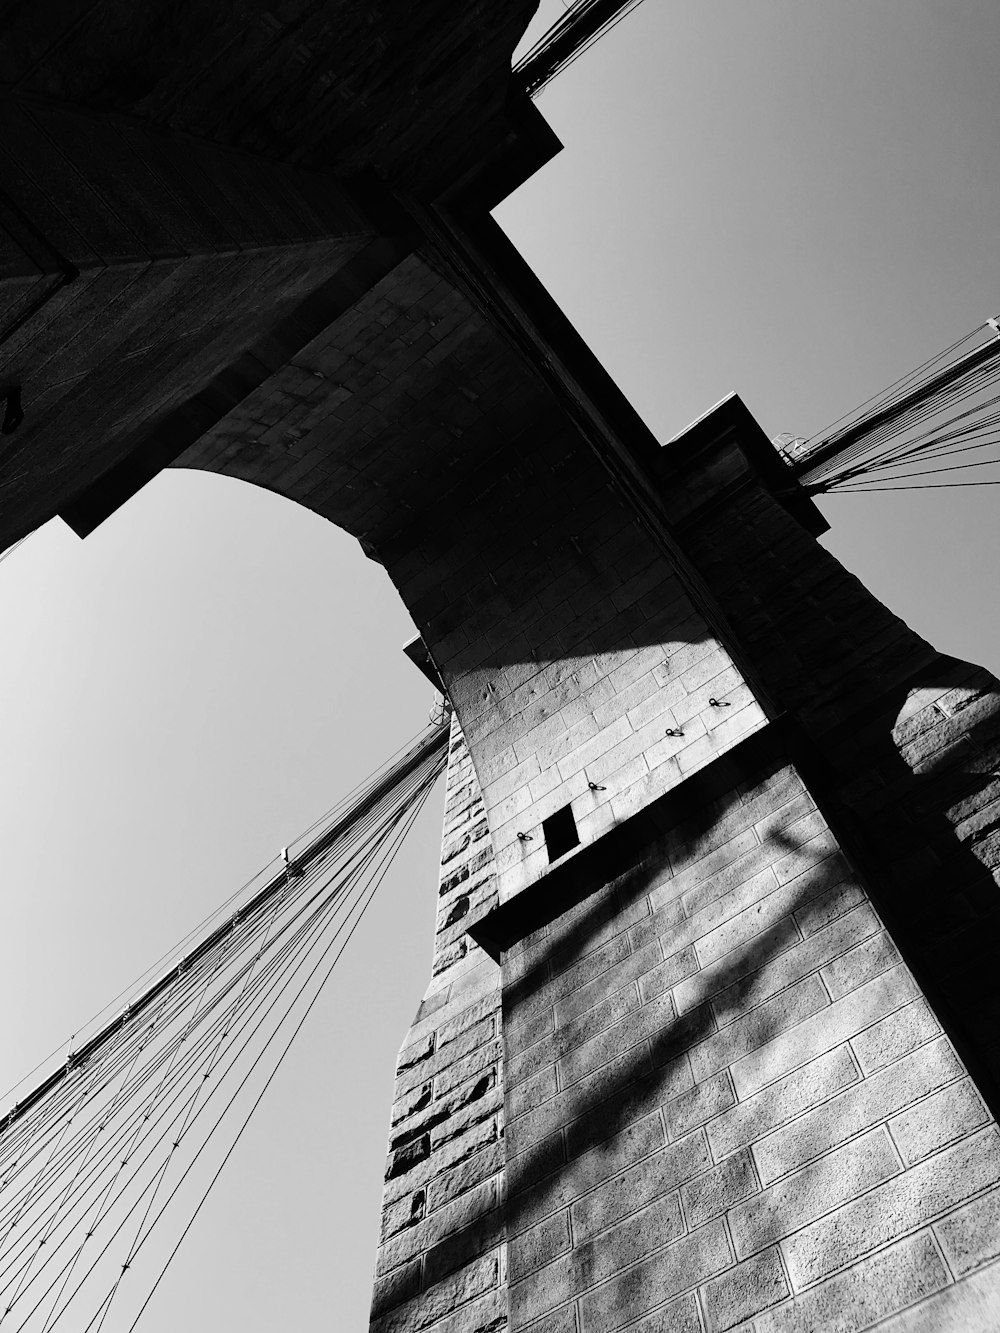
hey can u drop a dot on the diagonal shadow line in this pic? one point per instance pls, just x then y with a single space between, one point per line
641 1080
639 1083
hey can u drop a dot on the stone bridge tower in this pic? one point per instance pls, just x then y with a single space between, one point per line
710 1039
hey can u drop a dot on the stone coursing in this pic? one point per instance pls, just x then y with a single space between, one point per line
727 1100
908 740
441 1261
569 644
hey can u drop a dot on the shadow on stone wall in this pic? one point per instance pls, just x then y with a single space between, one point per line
903 821
639 1081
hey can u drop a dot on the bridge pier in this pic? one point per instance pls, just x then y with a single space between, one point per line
710 1040
718 1065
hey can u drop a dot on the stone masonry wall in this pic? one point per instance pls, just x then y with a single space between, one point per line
728 1104
441 1261
908 739
565 634
583 672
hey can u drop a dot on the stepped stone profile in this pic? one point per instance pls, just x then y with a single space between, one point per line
710 1040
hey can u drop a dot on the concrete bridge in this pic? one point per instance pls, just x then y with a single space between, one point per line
710 1037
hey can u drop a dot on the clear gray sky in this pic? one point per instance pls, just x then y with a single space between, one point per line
800 201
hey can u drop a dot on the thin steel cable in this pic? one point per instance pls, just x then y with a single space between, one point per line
321 894
296 1030
565 41
112 1147
217 1123
924 430
366 784
140 1200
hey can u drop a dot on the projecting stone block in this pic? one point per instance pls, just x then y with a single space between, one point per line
470 1172
441 1299
457 1218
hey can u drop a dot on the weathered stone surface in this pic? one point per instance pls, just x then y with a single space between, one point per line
594 1261
865 1293
865 1104
610 619
655 1176
970 1236
782 1101
743 1291
970 1305
717 1190
911 1199
726 1102
691 1260
441 1299
677 1316
823 1031
632 1144
893 1037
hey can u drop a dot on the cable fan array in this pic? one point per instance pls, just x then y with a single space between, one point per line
105 1164
909 437
575 31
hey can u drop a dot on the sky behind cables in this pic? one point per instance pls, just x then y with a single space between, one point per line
797 201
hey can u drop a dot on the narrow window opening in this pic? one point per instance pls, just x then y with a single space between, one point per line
560 833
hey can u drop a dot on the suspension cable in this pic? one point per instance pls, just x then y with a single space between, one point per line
914 422
114 1144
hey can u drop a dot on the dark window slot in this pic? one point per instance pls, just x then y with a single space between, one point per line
560 833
